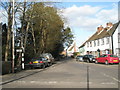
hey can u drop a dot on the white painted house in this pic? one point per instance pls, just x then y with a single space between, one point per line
104 40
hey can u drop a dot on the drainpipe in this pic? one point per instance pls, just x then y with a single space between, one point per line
112 44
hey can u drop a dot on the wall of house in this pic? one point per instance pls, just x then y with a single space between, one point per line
103 47
118 40
115 41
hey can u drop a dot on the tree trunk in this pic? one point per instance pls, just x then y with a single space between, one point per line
8 33
23 22
34 42
26 35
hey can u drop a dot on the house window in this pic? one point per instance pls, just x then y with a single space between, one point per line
102 41
118 37
90 44
94 43
98 42
107 40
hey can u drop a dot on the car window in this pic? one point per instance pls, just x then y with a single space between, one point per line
113 56
105 55
90 56
101 55
79 56
85 56
35 59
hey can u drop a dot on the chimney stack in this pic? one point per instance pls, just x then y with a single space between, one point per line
99 28
109 24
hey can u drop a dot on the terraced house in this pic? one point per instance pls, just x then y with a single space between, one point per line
106 40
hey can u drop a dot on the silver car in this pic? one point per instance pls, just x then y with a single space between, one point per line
79 58
39 62
49 57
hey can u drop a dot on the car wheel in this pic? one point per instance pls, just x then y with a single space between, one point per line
106 62
96 62
88 61
48 64
31 67
43 66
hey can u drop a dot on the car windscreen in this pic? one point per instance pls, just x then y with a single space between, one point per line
35 59
91 56
79 56
113 56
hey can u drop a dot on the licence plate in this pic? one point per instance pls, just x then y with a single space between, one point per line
115 60
35 62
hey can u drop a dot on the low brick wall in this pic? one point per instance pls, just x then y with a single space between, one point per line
6 67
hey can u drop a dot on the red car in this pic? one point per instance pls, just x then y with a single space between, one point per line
107 59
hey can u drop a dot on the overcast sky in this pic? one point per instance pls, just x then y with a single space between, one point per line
84 17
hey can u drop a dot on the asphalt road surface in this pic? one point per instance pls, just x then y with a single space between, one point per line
70 74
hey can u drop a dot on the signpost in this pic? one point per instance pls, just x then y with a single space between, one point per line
21 51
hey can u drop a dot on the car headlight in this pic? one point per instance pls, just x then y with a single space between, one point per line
90 58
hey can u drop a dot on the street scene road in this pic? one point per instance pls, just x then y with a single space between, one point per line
59 44
70 74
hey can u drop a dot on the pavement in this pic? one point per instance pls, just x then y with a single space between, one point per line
7 78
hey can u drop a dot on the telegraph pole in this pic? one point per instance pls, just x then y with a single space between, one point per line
13 45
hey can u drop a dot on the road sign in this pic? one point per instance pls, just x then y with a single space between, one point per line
19 50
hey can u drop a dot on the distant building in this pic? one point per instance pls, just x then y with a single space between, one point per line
71 49
106 40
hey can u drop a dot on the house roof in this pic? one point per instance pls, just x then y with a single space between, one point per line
104 33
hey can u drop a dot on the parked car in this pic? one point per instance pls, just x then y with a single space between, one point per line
79 58
49 57
39 62
107 59
88 58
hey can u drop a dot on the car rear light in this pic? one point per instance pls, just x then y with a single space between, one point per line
41 61
30 62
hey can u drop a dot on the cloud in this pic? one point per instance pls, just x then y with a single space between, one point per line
108 15
3 16
89 17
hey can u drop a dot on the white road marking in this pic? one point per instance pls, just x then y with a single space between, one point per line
108 83
52 82
111 77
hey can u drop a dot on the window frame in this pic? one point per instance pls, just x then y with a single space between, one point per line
98 42
118 37
102 41
107 40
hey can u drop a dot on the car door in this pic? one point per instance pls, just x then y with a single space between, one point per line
84 58
45 61
100 58
104 58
